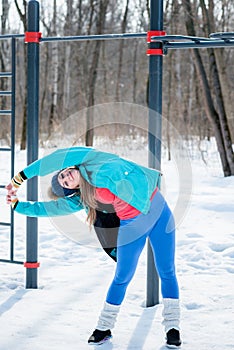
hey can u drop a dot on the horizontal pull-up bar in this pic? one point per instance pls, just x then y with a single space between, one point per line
216 40
96 37
79 37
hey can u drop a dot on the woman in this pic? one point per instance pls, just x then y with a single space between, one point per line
88 178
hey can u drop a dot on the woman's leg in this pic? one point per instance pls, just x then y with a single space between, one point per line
127 259
162 239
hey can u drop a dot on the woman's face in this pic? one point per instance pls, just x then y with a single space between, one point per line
69 178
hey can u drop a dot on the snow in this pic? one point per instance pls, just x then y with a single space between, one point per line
74 277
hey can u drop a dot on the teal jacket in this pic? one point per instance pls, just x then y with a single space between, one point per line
129 181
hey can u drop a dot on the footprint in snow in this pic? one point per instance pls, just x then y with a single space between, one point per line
220 247
193 306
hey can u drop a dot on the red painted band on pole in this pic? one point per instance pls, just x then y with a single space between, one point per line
151 52
31 265
32 37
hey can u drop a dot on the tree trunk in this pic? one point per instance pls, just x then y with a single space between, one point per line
93 72
121 50
54 67
134 72
67 67
216 85
211 112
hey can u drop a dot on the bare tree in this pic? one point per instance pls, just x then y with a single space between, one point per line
121 50
54 70
67 66
216 116
100 23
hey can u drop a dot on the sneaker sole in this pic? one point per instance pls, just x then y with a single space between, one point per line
173 346
102 341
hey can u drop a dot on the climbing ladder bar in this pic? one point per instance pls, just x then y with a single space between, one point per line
11 149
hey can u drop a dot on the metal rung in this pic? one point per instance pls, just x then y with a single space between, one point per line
5 112
12 261
4 149
2 186
5 224
5 74
2 93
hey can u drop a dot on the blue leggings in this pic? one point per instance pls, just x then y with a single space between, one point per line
159 226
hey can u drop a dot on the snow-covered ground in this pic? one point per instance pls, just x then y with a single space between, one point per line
73 278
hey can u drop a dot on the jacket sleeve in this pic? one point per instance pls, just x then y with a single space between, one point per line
62 206
58 160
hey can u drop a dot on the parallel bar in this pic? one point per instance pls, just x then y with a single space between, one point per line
186 42
166 38
188 45
96 37
222 35
12 261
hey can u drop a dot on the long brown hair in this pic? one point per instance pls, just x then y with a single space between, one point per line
87 196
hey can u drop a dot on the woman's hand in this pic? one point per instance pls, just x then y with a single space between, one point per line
12 188
11 197
9 187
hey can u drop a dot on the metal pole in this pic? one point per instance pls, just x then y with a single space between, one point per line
13 71
32 138
155 126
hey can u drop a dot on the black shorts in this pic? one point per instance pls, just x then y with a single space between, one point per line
106 227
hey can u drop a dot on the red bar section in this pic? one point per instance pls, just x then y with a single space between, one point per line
31 265
32 37
151 33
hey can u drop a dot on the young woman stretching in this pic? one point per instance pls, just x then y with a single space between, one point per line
88 178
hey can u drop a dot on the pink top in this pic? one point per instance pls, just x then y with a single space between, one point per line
123 209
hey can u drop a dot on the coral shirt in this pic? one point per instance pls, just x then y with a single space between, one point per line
123 209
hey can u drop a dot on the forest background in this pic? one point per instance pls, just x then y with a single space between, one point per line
197 84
